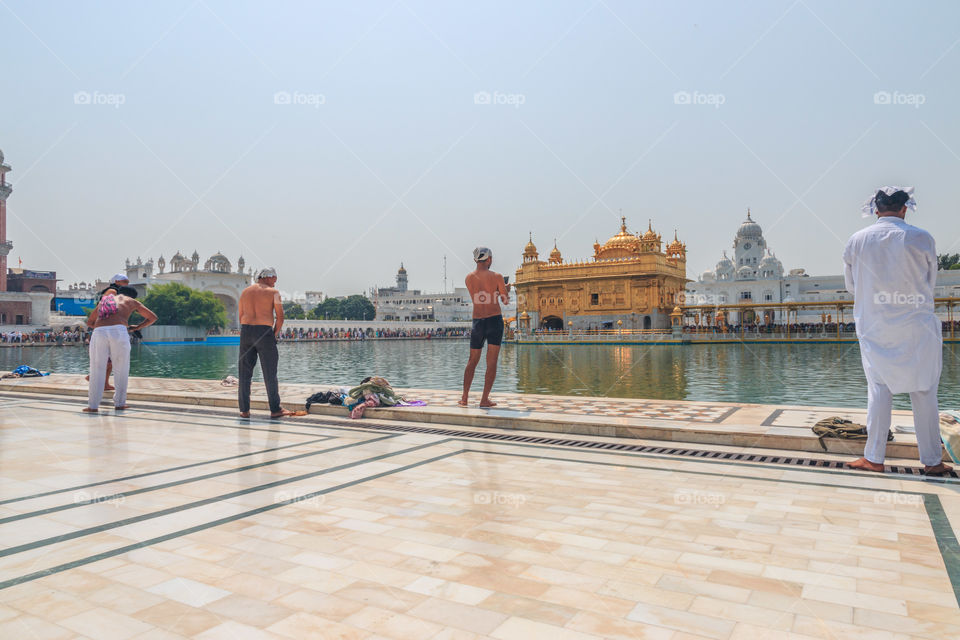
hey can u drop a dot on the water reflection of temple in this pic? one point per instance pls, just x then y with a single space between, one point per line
623 371
632 282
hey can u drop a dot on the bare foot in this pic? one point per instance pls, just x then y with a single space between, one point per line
89 410
106 385
937 470
283 413
244 414
865 465
462 403
121 407
486 404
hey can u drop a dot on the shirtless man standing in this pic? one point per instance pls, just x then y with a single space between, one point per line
487 290
258 337
119 280
111 342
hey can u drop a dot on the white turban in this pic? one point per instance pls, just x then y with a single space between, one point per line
869 207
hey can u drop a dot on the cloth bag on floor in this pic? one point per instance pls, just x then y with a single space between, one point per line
950 433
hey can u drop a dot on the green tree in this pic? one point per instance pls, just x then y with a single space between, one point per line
947 261
355 307
178 304
358 307
329 309
293 311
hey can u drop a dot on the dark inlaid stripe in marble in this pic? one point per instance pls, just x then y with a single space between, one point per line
200 503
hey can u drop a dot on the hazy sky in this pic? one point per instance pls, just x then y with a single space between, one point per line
143 128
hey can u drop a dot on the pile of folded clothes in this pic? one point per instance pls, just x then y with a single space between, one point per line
373 391
332 396
23 371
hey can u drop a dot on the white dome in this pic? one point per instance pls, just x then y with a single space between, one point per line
708 276
749 228
725 265
770 267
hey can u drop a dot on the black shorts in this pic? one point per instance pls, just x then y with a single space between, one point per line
489 330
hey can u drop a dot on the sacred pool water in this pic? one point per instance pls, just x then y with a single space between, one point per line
810 374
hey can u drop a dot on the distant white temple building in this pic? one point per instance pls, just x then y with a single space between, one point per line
216 276
755 275
400 303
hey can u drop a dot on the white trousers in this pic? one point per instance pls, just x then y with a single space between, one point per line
112 343
926 420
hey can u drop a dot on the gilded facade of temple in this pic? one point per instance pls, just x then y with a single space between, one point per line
632 278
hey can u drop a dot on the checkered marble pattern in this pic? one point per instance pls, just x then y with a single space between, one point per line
807 418
294 394
576 405
147 524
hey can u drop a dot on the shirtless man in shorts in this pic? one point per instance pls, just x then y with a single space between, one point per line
487 290
258 339
111 342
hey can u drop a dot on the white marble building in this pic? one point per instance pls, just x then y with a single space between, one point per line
401 304
755 275
216 276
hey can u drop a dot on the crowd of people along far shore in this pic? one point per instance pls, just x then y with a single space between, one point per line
81 335
63 336
356 333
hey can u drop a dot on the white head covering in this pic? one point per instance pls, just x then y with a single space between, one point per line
869 207
267 272
118 277
481 253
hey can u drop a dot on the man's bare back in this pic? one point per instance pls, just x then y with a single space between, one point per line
487 290
258 303
125 308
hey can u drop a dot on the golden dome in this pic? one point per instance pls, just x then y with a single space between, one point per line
650 235
622 245
530 249
555 254
676 246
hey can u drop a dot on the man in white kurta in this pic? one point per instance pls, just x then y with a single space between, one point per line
891 268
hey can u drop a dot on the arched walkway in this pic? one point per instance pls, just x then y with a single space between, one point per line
233 309
553 322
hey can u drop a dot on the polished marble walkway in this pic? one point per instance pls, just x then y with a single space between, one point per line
723 423
167 522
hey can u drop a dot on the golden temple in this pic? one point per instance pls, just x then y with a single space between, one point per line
632 282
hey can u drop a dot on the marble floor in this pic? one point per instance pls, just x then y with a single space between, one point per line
154 523
743 424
